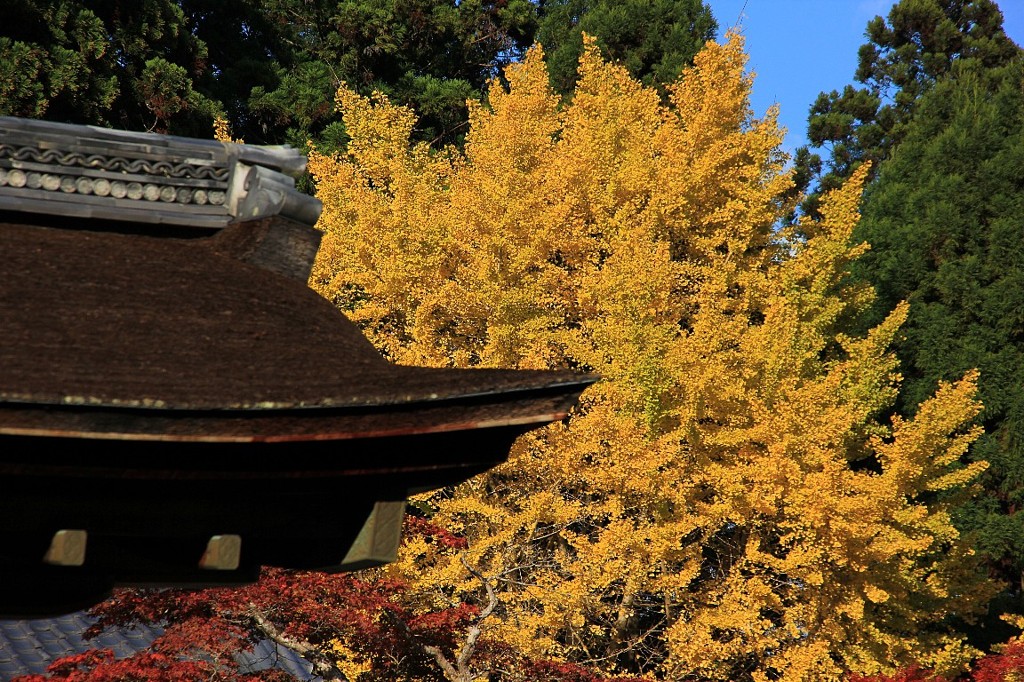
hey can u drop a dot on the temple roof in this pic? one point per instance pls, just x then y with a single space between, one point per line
115 320
167 376
28 647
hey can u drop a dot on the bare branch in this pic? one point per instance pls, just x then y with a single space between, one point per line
323 665
449 670
459 671
492 599
474 632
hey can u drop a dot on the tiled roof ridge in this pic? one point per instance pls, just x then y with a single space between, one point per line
64 169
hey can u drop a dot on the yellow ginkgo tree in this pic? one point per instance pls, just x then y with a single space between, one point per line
732 501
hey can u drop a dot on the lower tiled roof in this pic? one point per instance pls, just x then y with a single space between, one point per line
29 646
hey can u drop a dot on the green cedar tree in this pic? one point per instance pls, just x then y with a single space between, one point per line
110 62
271 66
430 55
944 222
654 40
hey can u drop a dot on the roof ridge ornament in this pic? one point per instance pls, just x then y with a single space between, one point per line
80 171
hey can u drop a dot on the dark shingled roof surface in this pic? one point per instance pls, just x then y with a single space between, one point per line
107 319
29 646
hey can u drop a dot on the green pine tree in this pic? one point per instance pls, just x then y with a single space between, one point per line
903 58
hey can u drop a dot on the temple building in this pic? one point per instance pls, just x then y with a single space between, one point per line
177 407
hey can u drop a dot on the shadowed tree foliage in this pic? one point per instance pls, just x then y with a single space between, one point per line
1004 665
430 55
272 66
904 56
944 222
123 64
653 40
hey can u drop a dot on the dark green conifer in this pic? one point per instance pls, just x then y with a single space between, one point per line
945 220
654 40
124 64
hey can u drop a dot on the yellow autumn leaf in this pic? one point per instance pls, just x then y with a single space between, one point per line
730 502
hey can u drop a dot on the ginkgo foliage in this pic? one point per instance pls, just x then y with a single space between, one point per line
732 501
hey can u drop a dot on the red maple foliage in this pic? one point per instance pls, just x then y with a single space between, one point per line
99 665
204 630
1007 665
307 612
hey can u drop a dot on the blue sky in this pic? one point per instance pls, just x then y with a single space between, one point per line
799 48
